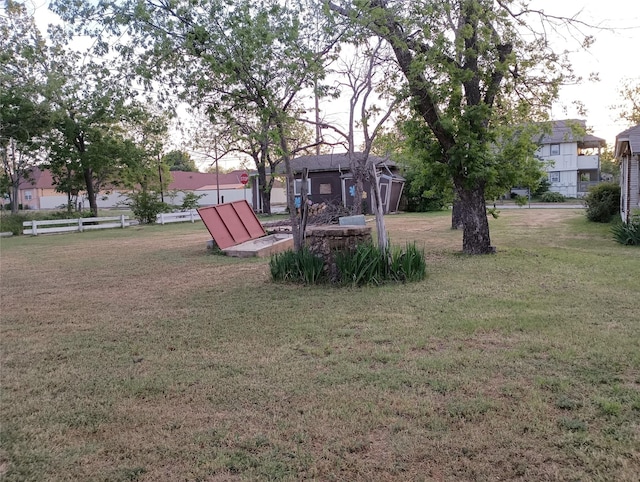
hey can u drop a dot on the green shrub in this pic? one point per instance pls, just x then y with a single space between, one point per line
146 206
191 201
552 197
627 234
603 202
368 264
408 264
521 200
543 187
13 223
297 267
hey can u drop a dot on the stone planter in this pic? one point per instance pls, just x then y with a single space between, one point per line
324 241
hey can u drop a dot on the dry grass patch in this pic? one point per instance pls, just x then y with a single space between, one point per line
138 355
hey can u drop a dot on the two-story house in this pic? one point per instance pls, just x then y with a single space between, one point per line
572 157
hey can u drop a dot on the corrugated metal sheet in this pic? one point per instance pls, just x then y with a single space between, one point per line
231 223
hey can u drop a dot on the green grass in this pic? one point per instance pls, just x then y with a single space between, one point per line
137 355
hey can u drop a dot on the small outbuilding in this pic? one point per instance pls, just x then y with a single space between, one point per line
330 180
628 153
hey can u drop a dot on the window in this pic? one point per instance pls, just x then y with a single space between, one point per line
554 176
27 196
297 185
555 149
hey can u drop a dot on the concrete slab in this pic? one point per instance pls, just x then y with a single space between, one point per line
357 220
261 247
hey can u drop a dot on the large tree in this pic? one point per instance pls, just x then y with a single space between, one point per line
250 58
470 66
179 161
91 101
24 110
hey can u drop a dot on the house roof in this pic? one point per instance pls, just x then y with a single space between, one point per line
329 162
564 131
38 179
632 136
181 180
193 181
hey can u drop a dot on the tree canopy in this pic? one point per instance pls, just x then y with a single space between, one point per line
472 67
179 161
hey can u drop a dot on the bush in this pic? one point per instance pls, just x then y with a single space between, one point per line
146 206
13 223
603 202
552 197
521 200
627 234
297 267
191 201
543 187
368 264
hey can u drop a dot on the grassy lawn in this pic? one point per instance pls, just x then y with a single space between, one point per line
136 355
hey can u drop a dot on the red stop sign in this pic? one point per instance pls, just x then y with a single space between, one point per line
244 178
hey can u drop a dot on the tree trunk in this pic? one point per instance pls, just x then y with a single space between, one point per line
456 214
91 193
475 235
13 198
378 211
263 191
291 202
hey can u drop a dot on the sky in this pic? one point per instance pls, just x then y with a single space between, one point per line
614 56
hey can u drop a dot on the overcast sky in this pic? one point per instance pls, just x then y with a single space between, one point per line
615 56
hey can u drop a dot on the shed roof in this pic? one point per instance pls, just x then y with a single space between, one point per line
632 136
569 130
329 162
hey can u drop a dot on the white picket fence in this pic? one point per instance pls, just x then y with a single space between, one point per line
179 217
69 225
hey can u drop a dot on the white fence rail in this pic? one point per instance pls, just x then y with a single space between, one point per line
69 225
180 217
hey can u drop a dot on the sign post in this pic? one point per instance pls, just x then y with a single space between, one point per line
244 179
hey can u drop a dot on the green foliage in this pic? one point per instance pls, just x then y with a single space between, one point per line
12 223
627 233
474 81
521 200
365 265
368 264
543 186
191 201
603 202
552 197
408 264
146 206
609 164
297 267
179 161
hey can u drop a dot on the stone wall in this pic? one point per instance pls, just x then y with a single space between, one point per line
324 241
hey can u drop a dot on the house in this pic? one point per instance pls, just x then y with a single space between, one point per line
330 180
39 192
572 157
214 188
628 153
